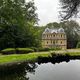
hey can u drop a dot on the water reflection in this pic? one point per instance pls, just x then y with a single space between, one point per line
61 71
17 71
44 69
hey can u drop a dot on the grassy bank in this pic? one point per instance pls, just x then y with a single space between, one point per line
21 57
5 59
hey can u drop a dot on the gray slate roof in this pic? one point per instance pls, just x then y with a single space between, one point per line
47 30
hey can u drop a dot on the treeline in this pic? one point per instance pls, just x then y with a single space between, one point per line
17 30
17 20
72 29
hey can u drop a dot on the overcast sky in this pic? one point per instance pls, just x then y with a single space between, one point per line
47 11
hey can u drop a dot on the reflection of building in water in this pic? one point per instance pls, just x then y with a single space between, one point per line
54 38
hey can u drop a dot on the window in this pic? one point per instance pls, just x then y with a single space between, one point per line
61 42
47 42
43 36
61 35
53 42
64 36
56 41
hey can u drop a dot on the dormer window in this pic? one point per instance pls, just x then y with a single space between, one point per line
47 30
61 30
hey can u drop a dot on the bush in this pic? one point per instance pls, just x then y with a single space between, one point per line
18 51
56 48
35 49
25 50
48 49
44 49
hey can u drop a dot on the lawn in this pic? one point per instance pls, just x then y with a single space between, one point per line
33 56
21 57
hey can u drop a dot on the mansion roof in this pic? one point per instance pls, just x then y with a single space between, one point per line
47 30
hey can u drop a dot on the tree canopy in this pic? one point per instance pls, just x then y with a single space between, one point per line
69 8
17 20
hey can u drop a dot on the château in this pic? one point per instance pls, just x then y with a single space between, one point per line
54 38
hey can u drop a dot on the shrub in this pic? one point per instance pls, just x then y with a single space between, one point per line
18 50
56 48
8 51
35 49
25 50
44 49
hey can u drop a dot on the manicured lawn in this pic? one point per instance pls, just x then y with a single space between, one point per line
73 53
21 57
33 56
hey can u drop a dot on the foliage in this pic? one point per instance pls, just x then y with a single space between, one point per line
72 30
14 58
40 49
19 51
43 49
17 19
21 57
69 8
53 25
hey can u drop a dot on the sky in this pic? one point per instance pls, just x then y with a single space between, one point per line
48 11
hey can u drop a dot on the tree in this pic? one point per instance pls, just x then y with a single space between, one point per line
53 25
72 31
69 8
17 19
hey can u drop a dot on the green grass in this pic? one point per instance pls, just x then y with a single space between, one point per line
73 53
30 57
8 49
20 57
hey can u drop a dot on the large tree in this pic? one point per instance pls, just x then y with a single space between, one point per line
17 19
72 31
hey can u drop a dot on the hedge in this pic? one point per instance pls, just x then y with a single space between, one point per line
18 51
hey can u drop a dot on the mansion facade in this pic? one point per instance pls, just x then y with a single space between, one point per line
54 38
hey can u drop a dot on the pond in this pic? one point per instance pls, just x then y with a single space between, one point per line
43 71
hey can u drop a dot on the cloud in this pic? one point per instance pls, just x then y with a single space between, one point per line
47 10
